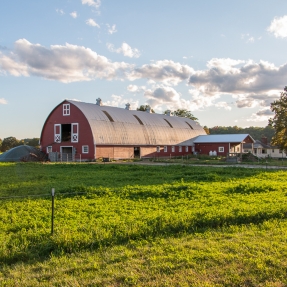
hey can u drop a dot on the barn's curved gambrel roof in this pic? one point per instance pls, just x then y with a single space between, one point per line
117 126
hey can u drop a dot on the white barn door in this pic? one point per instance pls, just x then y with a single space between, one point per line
57 133
75 133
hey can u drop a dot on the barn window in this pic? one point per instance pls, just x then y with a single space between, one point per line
173 149
49 149
221 149
165 148
186 149
85 149
180 148
109 116
189 125
158 149
66 109
138 119
168 123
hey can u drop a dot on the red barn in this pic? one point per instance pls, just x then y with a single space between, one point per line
78 130
221 144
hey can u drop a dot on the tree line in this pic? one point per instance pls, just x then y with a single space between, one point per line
10 142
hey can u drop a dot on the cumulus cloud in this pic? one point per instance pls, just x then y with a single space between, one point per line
125 49
92 23
3 101
135 88
166 71
119 100
252 83
278 27
223 105
261 115
93 3
112 29
165 97
74 14
67 63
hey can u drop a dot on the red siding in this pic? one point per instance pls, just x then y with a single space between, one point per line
84 133
205 148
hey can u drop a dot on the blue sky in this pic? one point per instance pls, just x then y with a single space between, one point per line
223 60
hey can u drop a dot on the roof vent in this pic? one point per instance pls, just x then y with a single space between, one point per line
128 106
168 112
99 101
148 109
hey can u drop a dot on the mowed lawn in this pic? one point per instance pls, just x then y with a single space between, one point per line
132 225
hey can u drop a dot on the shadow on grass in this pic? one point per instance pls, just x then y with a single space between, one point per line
42 247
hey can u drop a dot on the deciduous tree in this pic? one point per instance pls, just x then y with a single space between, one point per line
143 108
183 113
279 122
9 143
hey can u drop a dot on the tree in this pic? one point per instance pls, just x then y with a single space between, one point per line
182 113
32 142
279 122
143 108
206 130
9 143
0 144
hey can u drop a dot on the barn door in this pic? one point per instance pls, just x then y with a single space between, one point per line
57 133
75 133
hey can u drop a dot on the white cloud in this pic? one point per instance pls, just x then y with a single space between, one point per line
223 105
121 101
251 83
93 3
135 88
261 115
248 38
112 29
69 63
3 101
60 11
125 49
74 14
278 27
165 97
166 71
92 23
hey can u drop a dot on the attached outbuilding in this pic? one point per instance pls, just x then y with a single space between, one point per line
221 145
76 130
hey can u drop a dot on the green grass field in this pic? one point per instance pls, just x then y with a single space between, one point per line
132 225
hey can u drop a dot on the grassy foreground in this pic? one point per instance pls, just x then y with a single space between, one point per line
142 226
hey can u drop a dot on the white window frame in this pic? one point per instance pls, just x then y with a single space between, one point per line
74 136
158 149
66 109
180 148
173 148
186 148
221 149
165 148
49 149
85 149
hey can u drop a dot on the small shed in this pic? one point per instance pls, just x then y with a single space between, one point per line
221 145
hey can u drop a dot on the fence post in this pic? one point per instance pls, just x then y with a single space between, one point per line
52 217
